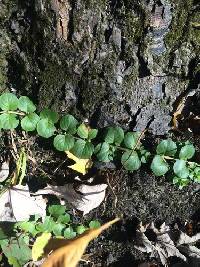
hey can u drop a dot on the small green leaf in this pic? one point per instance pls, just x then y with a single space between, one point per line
92 134
131 161
68 123
45 128
69 233
26 105
159 166
180 168
83 149
58 228
167 148
94 224
83 131
102 152
8 101
131 139
180 182
56 210
29 122
64 218
49 114
114 135
187 152
63 142
46 226
28 227
8 121
80 229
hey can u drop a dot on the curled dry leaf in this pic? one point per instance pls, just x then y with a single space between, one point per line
82 197
4 171
16 204
68 255
166 245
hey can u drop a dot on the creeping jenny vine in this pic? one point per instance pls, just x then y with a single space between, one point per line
109 144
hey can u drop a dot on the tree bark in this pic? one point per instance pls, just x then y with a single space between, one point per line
113 61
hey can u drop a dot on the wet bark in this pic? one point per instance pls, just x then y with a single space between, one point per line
113 61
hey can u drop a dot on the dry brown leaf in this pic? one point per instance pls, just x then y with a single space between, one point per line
69 255
82 197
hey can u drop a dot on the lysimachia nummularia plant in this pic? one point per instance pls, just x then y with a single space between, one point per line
113 143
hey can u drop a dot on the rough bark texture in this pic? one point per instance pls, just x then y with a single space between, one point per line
114 61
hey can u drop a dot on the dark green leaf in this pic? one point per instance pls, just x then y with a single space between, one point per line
83 131
159 166
45 128
114 135
63 142
68 123
83 149
131 139
29 122
102 152
56 210
131 161
8 101
167 148
26 105
180 169
94 224
49 114
187 152
8 121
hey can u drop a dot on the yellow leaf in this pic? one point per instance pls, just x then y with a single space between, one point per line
70 252
39 245
81 165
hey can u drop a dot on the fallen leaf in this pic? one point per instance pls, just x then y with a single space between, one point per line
4 171
39 244
81 165
16 204
82 197
70 254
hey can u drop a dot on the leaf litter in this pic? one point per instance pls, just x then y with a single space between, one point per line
169 242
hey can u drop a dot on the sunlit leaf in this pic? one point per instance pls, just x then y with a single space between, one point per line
81 165
39 245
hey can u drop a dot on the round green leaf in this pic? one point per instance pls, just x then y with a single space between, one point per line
26 105
68 123
64 218
92 133
180 169
49 114
45 128
167 148
29 122
69 233
63 142
187 152
131 161
114 135
8 121
80 229
56 210
8 101
159 166
94 224
58 228
102 152
83 149
130 139
83 131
